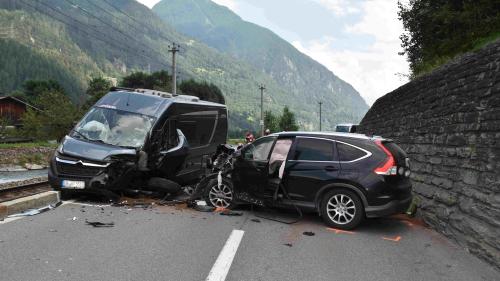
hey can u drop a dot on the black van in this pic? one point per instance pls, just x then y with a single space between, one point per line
139 139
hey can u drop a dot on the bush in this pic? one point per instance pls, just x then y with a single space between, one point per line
55 119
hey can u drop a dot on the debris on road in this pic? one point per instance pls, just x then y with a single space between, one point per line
255 220
230 213
309 233
32 212
100 224
395 239
288 244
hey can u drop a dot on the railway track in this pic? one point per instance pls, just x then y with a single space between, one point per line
20 191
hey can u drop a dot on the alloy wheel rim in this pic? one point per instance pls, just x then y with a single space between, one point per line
220 196
341 209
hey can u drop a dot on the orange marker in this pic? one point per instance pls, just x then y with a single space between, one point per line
337 231
393 239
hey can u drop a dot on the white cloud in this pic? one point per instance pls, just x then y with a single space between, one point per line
148 3
340 7
372 70
231 4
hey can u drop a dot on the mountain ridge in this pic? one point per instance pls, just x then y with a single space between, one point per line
221 28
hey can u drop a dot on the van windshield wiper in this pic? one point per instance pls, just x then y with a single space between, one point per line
88 139
81 135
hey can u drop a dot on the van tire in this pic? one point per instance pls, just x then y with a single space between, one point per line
163 185
226 186
346 215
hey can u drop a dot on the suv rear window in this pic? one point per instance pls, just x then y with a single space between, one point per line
348 152
310 149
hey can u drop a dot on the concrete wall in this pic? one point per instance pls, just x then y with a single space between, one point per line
449 123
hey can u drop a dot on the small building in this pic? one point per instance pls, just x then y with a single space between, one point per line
12 109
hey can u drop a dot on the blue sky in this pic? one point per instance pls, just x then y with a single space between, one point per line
358 40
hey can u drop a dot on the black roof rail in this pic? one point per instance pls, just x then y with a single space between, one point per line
114 89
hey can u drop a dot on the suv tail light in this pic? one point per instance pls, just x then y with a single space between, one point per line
389 166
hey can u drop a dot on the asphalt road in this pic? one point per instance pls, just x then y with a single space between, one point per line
175 243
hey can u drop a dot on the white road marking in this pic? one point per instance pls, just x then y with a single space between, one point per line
225 259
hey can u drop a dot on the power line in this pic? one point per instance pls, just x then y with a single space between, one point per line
133 19
108 25
128 49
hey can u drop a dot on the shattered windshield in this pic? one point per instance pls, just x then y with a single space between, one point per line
114 127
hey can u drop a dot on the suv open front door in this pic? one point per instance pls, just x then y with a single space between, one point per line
251 168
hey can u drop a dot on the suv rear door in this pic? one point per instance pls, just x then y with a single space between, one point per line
311 164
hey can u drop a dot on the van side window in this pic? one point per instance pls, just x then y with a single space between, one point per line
311 149
198 127
348 152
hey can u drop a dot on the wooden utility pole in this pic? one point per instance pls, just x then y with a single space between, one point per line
174 49
262 88
320 103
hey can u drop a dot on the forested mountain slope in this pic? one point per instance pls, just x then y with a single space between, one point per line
72 40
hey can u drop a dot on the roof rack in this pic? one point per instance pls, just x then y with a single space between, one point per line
157 93
114 89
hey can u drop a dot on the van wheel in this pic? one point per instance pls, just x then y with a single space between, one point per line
220 196
342 209
163 185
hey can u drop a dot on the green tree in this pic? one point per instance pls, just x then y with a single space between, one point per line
436 31
54 120
203 90
271 121
32 89
287 120
98 87
159 80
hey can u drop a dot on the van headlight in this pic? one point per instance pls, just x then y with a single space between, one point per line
60 149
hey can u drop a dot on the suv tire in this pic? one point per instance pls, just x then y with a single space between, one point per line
220 197
342 209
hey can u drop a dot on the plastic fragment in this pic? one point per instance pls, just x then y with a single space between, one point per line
100 224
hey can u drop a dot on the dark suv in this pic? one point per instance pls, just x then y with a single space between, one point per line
344 177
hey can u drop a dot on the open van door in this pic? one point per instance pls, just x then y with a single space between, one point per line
173 158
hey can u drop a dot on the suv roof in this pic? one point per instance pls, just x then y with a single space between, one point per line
328 134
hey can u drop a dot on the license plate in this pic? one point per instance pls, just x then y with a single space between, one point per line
73 184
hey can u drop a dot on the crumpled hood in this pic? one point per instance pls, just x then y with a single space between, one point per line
92 151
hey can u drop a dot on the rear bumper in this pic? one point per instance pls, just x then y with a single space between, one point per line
391 208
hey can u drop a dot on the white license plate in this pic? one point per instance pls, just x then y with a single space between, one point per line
73 184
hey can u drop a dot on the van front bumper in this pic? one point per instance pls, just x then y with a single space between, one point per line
391 208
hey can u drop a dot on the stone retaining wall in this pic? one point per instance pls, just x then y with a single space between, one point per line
449 123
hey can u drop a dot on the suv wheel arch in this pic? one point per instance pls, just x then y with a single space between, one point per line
328 187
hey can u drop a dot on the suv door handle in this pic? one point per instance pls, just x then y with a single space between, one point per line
331 168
